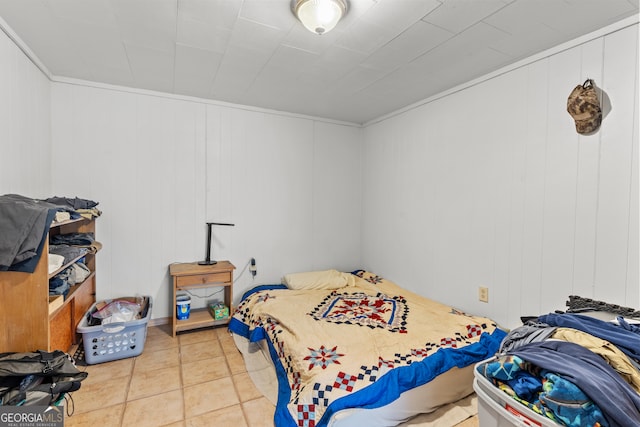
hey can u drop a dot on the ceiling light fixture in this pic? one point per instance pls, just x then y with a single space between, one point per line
319 16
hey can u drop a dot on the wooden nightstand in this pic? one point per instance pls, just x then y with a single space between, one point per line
195 276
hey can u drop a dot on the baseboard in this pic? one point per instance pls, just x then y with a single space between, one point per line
159 321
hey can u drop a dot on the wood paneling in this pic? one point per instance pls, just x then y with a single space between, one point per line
24 296
62 329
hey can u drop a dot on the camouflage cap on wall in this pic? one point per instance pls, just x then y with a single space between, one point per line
584 107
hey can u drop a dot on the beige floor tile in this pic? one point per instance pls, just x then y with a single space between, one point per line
158 410
204 370
230 349
176 424
164 329
226 417
224 335
209 396
259 412
236 363
148 383
92 396
105 417
108 370
222 332
154 360
470 422
200 351
159 340
193 337
245 387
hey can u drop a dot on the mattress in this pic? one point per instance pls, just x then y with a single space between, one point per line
444 402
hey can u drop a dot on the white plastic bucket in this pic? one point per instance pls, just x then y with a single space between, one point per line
183 306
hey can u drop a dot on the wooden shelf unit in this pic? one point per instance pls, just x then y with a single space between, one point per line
27 321
196 276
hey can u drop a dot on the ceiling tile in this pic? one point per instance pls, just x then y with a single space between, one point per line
301 38
329 67
521 45
220 14
96 12
556 16
151 68
357 79
418 39
202 35
457 15
195 70
113 75
272 13
286 63
365 37
100 47
238 69
456 49
397 16
148 23
255 36
591 12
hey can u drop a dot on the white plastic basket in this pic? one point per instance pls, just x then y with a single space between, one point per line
497 409
113 341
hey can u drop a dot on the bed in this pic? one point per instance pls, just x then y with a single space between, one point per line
353 349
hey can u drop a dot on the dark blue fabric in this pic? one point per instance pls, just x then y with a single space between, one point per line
29 265
619 403
525 385
628 326
627 341
72 239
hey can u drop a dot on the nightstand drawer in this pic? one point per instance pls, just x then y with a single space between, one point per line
201 279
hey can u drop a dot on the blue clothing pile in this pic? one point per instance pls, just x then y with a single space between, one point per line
565 381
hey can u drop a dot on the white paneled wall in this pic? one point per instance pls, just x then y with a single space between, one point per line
25 135
290 185
162 167
142 158
491 186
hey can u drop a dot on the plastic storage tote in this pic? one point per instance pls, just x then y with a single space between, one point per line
113 341
497 409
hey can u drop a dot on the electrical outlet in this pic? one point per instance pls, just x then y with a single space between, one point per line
252 267
483 294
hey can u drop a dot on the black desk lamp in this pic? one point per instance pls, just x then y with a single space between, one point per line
209 261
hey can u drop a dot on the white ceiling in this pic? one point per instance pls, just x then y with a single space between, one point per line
385 54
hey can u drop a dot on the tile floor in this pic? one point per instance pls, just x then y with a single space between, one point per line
195 379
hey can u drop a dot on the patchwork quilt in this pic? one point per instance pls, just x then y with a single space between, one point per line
358 346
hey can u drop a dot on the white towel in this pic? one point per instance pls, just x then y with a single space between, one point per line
55 262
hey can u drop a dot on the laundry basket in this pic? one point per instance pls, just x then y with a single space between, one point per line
113 341
497 409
